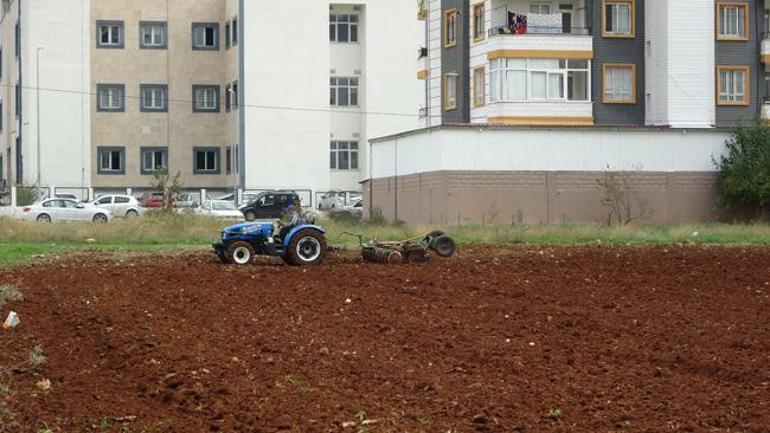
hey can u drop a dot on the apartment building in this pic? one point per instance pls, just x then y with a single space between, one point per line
229 93
533 103
597 62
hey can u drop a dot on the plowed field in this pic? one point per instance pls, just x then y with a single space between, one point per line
520 339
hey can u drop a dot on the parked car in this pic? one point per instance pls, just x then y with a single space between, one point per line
187 200
337 199
355 210
61 209
269 205
220 209
152 199
119 205
246 197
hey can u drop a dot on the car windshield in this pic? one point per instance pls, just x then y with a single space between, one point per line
223 205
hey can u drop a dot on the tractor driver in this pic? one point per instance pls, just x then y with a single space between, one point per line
291 218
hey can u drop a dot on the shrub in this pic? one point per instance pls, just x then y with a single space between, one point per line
744 169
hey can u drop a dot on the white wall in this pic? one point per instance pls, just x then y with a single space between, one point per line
547 149
435 18
62 29
286 65
680 62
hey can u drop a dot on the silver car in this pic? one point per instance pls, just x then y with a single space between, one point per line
64 209
119 205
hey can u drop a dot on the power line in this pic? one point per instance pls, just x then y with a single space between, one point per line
239 105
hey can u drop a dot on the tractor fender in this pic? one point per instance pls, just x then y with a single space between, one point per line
297 229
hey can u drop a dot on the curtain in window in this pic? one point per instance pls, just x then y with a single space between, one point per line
623 16
538 87
555 86
199 36
618 85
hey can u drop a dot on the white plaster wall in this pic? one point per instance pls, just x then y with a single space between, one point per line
527 109
62 29
287 148
434 21
656 61
541 42
548 149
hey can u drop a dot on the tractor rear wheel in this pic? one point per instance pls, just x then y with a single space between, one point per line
307 248
430 238
240 253
444 246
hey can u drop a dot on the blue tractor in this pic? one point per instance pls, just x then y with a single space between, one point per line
299 245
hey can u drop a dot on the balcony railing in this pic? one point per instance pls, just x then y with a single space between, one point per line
539 24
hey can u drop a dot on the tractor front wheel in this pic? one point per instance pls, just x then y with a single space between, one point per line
307 248
240 253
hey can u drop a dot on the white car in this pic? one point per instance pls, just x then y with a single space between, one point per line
64 209
338 199
119 205
220 209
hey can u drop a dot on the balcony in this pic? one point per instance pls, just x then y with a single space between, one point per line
539 30
764 54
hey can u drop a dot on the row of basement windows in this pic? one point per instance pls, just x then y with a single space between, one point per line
206 160
520 80
154 97
154 35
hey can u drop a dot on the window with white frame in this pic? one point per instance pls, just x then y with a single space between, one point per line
153 97
733 85
109 34
111 97
540 8
619 83
343 91
205 98
519 80
733 19
343 155
205 36
618 18
153 158
206 160
153 34
111 160
343 27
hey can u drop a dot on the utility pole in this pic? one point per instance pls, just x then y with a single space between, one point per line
37 89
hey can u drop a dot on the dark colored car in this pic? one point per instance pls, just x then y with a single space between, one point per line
269 205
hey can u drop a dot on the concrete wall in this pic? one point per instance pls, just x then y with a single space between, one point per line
463 174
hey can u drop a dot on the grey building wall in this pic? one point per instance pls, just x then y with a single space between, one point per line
457 59
744 53
618 50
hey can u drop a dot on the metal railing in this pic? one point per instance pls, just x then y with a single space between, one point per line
539 30
539 24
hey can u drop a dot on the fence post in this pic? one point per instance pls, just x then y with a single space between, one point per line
90 194
129 191
203 196
238 196
13 196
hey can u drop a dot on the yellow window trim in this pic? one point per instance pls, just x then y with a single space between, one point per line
606 66
540 54
483 102
725 38
632 4
447 105
476 8
746 83
447 14
541 120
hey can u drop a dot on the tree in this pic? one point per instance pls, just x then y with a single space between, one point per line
625 204
169 186
744 169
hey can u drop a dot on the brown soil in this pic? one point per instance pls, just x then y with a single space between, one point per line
493 340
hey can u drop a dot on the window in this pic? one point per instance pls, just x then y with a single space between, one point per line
154 97
540 8
227 34
105 200
228 160
450 91
206 160
228 97
109 34
343 28
479 87
520 80
235 30
1 63
450 28
17 96
619 83
153 158
344 92
618 19
235 95
343 155
119 199
111 160
732 21
205 99
2 113
733 85
205 36
479 22
111 97
17 39
152 35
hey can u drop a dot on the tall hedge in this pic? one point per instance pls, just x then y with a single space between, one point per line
744 169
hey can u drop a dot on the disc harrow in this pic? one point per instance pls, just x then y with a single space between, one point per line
415 250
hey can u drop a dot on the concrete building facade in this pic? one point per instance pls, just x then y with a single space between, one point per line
230 94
